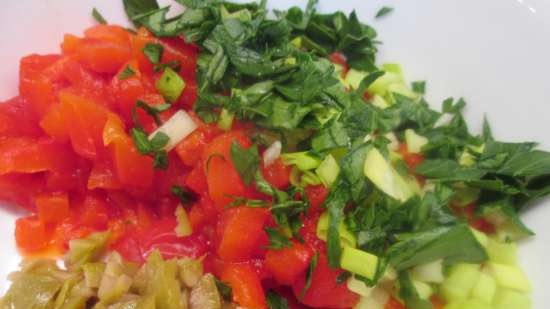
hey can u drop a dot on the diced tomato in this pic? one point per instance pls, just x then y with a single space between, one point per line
112 33
54 124
340 59
222 187
86 120
324 291
469 213
103 175
34 86
191 148
196 180
316 195
394 304
85 83
52 207
66 231
189 95
92 212
309 233
203 212
20 189
277 174
239 230
287 264
31 234
246 286
102 56
71 172
17 119
411 159
27 155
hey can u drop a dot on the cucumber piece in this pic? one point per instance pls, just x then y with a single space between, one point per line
346 237
481 237
385 177
431 272
225 121
359 262
502 253
510 277
379 101
383 83
376 300
476 304
510 299
424 290
485 288
328 171
354 78
460 282
414 141
454 305
400 89
393 68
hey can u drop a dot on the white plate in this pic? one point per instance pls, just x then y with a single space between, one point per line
494 53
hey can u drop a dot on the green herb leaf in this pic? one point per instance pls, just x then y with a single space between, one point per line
136 8
383 11
98 17
246 161
276 301
224 289
159 140
408 292
309 274
143 145
151 110
448 170
160 160
277 240
153 52
126 73
182 194
419 87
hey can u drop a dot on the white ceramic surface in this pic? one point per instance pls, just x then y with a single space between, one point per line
494 53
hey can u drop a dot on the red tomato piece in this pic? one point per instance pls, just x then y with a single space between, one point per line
246 286
54 124
196 180
111 33
17 119
437 302
277 174
103 175
190 149
52 207
86 83
27 155
20 189
31 234
324 292
34 86
288 264
222 186
87 120
340 59
239 230
92 212
102 56
316 195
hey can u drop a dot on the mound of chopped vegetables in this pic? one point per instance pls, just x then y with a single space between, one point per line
273 149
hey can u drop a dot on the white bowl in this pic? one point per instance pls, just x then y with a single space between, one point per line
494 53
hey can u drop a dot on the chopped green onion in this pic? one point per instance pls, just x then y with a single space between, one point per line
304 161
170 85
226 120
328 171
359 262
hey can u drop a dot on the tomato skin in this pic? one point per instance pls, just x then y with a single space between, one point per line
246 286
239 230
202 212
411 159
437 302
111 33
102 56
277 174
394 304
196 180
324 292
287 264
30 234
28 155
316 195
52 207
17 119
103 176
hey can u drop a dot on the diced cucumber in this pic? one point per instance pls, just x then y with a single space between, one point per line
510 299
225 121
454 305
379 101
431 272
359 262
346 237
485 288
385 177
383 83
510 277
481 237
376 300
423 289
414 141
460 282
476 304
393 68
400 89
354 78
359 287
502 253
328 171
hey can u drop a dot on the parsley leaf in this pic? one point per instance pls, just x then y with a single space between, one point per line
224 289
383 11
151 110
126 73
309 274
182 194
276 301
135 8
141 140
98 17
152 147
276 239
419 87
153 52
246 161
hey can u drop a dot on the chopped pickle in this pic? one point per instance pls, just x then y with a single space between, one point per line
162 282
30 290
205 295
93 273
87 249
190 271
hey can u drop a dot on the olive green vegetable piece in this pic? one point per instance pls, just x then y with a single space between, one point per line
86 250
205 294
190 271
93 272
114 282
163 284
31 291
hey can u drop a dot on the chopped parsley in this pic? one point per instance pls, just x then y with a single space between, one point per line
383 11
126 73
98 17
